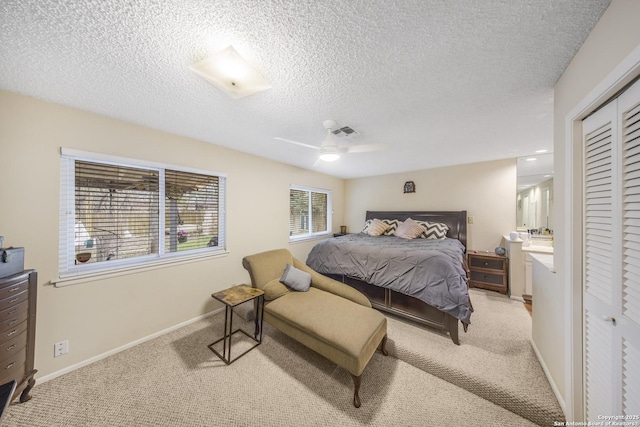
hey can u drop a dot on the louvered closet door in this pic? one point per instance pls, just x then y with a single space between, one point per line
628 326
599 260
611 258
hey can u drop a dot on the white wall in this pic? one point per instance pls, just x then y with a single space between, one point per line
545 322
487 191
102 315
612 39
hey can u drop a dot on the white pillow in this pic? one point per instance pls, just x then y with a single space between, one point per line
374 227
409 229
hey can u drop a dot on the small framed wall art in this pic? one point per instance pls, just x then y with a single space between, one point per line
409 187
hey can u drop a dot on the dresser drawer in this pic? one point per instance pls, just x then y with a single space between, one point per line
479 276
486 263
13 367
14 299
11 347
14 311
11 333
13 287
13 321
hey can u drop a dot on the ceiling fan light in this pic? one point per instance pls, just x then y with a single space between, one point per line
329 157
230 72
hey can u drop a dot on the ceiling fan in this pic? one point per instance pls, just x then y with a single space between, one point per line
330 149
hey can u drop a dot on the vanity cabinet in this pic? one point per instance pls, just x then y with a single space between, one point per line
17 331
488 271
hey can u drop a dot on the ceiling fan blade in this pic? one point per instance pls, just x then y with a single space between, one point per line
302 144
364 148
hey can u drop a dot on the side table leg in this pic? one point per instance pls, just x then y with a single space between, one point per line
230 331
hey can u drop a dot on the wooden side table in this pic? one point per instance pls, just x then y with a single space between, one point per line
232 297
488 271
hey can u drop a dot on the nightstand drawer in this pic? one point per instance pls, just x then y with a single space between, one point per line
486 263
479 276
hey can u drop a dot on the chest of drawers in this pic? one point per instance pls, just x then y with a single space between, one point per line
17 331
488 271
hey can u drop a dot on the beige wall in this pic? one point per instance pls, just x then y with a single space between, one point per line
99 316
487 191
613 38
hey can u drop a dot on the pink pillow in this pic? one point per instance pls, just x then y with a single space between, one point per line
410 229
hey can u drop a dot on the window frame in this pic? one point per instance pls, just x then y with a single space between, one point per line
67 269
312 235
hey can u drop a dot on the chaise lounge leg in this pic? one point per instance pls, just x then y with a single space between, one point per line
356 384
383 343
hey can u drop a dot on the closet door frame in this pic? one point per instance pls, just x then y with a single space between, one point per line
616 80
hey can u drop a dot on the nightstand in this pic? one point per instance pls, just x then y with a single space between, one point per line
488 271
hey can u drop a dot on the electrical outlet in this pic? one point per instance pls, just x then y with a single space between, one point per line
470 219
60 348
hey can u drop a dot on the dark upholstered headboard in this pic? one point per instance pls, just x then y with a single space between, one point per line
455 220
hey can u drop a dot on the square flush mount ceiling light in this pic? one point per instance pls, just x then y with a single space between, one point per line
231 73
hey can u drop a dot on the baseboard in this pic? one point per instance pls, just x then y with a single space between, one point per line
549 377
91 360
516 298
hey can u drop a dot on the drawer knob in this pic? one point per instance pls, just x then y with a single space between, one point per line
12 332
12 311
12 322
14 289
13 300
10 347
486 277
486 263
10 365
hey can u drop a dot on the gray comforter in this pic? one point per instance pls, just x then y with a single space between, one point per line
430 270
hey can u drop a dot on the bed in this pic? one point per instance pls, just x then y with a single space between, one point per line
422 280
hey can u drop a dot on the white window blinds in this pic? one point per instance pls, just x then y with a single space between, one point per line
118 214
309 212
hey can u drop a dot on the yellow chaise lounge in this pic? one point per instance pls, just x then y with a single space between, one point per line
330 318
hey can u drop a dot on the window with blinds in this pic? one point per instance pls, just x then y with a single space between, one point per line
309 212
119 214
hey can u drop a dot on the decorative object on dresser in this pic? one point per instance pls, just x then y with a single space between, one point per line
488 271
382 296
17 331
11 261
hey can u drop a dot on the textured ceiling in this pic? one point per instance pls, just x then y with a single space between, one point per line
441 82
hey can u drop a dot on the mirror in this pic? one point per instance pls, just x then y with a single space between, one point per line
534 193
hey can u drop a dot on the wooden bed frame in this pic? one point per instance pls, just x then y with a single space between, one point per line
405 306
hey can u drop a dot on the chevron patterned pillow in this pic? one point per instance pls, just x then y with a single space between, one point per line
434 230
392 226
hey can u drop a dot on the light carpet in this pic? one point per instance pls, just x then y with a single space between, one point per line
495 359
175 380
